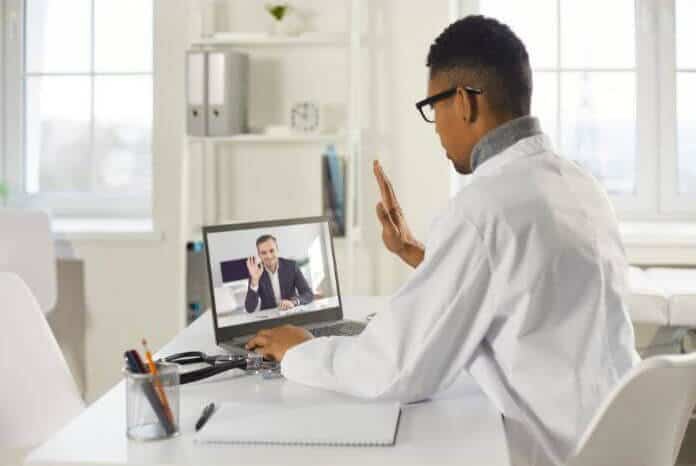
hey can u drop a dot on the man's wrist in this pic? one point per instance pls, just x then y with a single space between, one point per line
412 253
254 286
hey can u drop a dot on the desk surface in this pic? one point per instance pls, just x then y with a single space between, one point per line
459 426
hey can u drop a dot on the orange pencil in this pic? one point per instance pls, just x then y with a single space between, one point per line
158 384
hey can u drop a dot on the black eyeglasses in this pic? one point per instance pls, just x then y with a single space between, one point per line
426 107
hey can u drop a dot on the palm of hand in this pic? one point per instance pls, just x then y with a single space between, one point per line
395 232
394 237
255 270
258 270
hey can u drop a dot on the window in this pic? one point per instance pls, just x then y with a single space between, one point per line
686 93
605 81
79 106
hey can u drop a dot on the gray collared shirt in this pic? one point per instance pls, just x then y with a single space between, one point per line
502 137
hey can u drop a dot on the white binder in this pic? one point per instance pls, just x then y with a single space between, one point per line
196 93
228 76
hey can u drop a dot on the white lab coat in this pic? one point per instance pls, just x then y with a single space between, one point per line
523 285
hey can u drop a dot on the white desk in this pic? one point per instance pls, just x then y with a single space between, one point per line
459 426
240 316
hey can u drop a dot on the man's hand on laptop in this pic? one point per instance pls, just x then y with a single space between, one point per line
276 341
286 304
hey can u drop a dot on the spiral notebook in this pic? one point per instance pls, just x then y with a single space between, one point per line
349 424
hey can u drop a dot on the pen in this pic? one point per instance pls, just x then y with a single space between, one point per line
157 383
205 415
139 362
130 362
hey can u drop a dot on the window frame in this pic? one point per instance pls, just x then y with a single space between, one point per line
671 200
60 204
656 197
4 19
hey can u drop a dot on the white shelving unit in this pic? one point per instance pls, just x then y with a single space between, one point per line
349 139
265 40
272 138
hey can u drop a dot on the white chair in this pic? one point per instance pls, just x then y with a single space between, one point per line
26 248
38 393
643 421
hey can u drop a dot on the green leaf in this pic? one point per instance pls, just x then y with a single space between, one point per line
277 11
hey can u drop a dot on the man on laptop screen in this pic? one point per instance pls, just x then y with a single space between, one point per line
274 281
253 287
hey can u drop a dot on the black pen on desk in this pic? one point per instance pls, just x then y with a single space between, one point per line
207 412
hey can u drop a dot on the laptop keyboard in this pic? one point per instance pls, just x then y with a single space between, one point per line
339 329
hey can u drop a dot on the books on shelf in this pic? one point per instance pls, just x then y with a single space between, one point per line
334 175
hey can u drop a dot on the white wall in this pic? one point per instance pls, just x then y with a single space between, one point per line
134 288
261 185
410 149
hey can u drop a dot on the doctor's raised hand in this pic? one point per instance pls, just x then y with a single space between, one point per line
255 269
396 234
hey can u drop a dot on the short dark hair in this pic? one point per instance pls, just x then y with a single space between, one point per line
487 54
264 238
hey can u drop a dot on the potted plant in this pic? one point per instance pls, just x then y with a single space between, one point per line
279 13
3 192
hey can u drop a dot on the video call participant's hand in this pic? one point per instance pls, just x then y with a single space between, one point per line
286 304
255 269
277 341
396 234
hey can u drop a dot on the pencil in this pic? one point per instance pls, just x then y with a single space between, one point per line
158 384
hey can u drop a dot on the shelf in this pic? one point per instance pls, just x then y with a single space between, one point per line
266 40
265 138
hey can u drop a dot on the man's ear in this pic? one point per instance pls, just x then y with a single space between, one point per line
462 105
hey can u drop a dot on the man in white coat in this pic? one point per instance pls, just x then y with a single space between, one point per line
521 280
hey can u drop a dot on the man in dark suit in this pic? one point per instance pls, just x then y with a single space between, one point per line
275 281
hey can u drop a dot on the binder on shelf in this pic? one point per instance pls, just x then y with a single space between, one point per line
228 76
196 93
334 173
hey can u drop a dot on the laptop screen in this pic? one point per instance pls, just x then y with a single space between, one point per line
271 273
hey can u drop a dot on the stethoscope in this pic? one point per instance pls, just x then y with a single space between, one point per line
251 362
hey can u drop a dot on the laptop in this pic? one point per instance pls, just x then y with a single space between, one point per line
297 263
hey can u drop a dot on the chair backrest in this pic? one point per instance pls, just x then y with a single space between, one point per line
26 248
37 390
644 420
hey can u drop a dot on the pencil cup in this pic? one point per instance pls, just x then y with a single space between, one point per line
152 403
